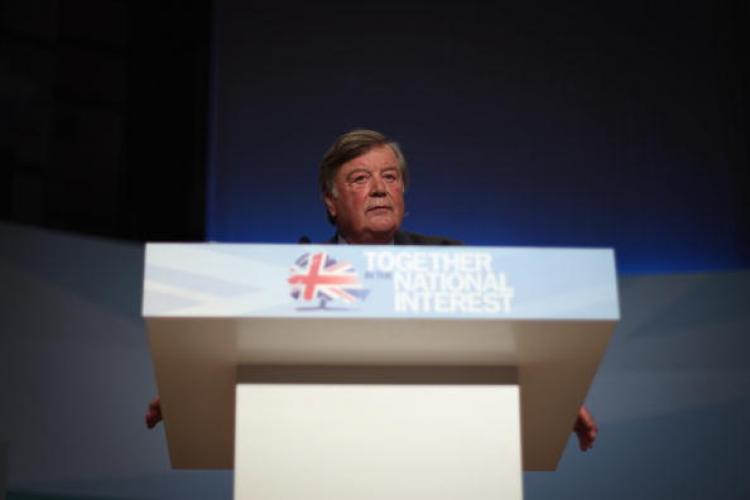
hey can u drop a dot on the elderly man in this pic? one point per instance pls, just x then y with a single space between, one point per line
362 179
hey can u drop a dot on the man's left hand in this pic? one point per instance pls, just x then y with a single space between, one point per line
586 429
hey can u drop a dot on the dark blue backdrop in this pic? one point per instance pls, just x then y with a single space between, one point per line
524 123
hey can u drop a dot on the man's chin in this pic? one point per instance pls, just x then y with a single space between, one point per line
385 224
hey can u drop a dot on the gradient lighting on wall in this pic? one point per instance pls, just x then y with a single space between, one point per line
522 127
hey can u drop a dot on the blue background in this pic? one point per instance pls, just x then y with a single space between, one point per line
524 123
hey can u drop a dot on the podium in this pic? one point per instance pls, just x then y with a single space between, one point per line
333 372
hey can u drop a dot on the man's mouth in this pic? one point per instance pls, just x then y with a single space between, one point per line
379 207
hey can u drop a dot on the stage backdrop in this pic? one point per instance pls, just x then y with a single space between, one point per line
537 123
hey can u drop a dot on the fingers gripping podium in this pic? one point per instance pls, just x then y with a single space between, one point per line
374 371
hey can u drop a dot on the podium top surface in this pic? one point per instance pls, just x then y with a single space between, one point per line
358 281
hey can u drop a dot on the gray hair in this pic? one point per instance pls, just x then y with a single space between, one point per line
349 146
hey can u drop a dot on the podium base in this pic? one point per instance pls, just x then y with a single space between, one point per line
377 442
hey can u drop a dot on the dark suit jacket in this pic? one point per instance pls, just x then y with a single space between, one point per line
405 238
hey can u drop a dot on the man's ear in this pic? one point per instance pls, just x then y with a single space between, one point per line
330 204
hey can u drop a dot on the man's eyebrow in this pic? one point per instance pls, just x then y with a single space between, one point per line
357 170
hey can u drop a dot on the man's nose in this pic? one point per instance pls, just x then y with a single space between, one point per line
377 188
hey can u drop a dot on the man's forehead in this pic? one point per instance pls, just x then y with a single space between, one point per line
380 158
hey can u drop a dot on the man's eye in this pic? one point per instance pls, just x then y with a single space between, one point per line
359 179
390 177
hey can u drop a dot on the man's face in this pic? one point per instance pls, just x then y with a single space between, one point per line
369 204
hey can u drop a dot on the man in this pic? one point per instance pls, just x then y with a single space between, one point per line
362 180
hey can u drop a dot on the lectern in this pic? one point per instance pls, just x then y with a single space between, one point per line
374 372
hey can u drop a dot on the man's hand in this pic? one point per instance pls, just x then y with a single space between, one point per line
586 429
153 414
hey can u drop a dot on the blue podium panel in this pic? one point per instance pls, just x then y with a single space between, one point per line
341 281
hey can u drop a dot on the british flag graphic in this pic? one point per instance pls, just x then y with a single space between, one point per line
318 276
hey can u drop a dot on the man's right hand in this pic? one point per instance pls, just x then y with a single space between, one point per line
153 414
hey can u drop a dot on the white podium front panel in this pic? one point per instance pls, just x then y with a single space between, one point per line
547 313
369 442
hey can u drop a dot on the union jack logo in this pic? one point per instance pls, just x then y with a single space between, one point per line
318 276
